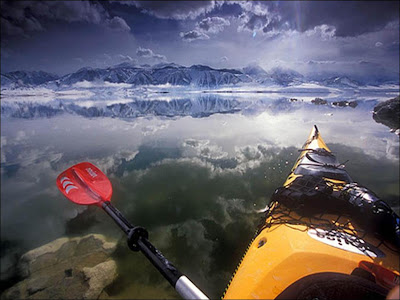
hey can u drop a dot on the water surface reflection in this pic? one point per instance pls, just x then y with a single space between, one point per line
195 181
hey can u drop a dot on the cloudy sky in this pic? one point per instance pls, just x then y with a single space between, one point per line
308 36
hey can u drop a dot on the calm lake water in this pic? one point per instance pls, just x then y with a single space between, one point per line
196 180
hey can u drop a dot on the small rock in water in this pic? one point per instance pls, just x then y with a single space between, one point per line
343 103
67 268
319 101
353 104
340 103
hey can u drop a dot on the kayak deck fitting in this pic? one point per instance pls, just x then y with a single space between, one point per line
323 236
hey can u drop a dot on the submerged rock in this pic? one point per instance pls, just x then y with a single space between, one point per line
388 113
67 268
10 254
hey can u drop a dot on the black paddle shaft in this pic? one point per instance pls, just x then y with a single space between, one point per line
138 240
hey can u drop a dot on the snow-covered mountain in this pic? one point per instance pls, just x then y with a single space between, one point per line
27 78
170 73
196 75
6 81
254 71
258 74
286 77
341 82
278 76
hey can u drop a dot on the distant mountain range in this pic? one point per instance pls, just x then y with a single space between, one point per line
170 73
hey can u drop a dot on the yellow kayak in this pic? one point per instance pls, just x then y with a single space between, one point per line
323 236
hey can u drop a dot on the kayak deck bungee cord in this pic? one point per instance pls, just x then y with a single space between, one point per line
323 236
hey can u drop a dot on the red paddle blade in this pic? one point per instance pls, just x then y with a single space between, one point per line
85 184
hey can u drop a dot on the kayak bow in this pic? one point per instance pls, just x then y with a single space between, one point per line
323 234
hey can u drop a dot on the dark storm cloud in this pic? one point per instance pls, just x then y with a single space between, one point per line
269 32
148 53
350 18
8 28
25 17
213 24
193 35
179 10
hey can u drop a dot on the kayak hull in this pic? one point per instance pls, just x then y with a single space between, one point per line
267 271
291 246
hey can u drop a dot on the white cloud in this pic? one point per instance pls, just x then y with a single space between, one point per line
324 31
378 44
224 59
213 24
204 149
98 84
122 57
193 35
148 53
256 17
152 129
321 62
20 136
117 24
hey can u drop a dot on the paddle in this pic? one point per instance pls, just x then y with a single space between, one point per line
85 184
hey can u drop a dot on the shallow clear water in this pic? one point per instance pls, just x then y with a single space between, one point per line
195 182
